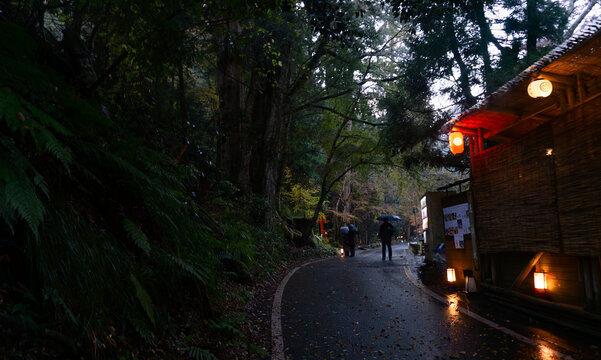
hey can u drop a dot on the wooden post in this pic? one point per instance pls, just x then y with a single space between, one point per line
597 280
563 102
320 221
471 143
587 282
480 140
520 279
470 201
493 268
580 88
571 99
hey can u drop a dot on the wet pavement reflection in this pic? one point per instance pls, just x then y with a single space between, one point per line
366 308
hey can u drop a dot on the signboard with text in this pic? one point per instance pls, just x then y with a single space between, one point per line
457 223
424 213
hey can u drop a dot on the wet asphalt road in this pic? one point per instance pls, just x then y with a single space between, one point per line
366 308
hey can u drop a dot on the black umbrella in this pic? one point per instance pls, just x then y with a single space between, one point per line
389 217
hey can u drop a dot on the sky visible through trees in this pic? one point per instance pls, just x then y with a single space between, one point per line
153 151
579 15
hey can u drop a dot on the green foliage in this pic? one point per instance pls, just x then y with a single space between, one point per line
197 353
137 236
229 328
189 268
71 183
20 192
301 198
144 298
109 137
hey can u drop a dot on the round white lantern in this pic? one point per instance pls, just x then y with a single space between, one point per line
540 88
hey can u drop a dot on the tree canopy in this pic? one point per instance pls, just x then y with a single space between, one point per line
151 150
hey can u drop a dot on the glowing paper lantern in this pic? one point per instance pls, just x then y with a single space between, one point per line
451 275
456 142
540 282
540 88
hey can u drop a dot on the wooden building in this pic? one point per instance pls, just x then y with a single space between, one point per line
536 178
447 218
431 211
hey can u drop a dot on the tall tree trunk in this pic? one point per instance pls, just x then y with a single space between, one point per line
232 144
532 27
345 195
486 37
275 135
464 82
272 155
485 32
326 183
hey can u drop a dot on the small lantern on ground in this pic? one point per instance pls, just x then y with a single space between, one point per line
540 282
456 142
451 278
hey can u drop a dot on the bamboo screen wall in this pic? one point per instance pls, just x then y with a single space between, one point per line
578 167
514 196
525 199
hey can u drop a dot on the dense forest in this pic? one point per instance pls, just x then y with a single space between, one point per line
158 158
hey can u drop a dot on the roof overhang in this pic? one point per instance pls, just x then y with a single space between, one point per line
509 113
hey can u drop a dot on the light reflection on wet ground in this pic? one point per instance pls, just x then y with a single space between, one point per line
366 308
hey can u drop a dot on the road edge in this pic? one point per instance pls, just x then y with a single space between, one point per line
481 319
277 337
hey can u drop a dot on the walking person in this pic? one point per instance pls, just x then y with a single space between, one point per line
385 235
350 238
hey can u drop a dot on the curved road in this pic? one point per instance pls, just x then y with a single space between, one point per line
366 308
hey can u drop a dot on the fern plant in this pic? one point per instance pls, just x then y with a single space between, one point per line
113 236
77 190
197 353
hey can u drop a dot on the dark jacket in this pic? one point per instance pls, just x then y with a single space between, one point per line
349 238
386 231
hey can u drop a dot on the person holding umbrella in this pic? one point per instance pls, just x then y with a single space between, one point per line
348 239
385 235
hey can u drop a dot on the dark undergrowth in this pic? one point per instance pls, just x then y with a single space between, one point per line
108 249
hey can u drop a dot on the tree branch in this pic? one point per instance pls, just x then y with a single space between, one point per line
339 113
577 22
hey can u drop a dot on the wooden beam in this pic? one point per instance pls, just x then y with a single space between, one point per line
532 263
503 110
571 98
466 131
561 79
580 88
499 138
471 142
542 118
563 101
588 99
548 106
533 115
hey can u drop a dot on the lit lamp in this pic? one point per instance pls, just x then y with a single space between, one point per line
540 282
540 88
456 142
451 275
